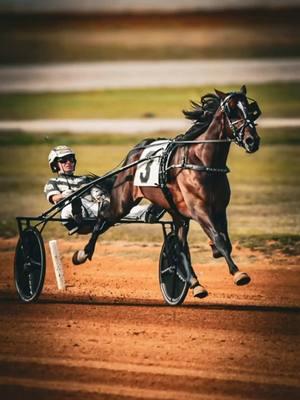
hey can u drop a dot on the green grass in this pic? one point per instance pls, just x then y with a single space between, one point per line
272 136
275 100
287 244
15 138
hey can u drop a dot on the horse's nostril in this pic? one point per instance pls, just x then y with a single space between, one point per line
249 141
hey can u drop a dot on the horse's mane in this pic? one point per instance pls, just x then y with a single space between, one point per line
202 114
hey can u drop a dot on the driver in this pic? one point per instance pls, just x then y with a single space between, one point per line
62 160
93 203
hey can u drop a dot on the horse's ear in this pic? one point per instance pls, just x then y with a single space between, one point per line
244 89
220 94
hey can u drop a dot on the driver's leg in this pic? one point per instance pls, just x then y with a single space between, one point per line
71 224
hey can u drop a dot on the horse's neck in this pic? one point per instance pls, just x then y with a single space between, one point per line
214 154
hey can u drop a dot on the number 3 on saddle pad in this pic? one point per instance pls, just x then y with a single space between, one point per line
147 173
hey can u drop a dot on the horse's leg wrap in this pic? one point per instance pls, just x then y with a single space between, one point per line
198 290
241 278
79 257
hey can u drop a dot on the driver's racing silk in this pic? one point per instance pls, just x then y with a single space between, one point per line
65 182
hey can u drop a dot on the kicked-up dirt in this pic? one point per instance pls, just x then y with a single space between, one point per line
109 335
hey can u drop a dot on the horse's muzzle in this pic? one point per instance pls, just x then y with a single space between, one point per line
251 144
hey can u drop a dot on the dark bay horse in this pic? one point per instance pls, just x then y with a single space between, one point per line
197 187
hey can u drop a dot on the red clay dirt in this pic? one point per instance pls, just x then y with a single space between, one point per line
109 335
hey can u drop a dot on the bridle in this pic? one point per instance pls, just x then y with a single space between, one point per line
249 116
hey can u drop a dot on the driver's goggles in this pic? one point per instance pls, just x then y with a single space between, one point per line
63 160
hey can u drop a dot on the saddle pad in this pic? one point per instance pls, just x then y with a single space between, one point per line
147 173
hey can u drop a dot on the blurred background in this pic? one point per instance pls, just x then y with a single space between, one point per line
34 31
101 75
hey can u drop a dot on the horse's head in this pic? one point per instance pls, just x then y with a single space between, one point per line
240 114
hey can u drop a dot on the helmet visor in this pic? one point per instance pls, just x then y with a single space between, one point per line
67 158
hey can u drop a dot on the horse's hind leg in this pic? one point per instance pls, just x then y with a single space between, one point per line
198 290
80 256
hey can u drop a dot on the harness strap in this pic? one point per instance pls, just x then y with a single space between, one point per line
163 175
201 168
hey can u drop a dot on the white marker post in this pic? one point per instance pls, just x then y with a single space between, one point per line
57 265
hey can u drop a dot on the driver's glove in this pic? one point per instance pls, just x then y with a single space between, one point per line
97 194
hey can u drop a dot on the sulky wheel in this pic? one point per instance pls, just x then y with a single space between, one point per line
30 265
173 277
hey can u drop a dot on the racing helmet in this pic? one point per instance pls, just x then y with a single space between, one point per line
59 152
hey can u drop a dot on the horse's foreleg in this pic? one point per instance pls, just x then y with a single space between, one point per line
80 256
239 278
220 222
223 246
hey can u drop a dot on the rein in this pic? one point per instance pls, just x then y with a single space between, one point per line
203 141
183 142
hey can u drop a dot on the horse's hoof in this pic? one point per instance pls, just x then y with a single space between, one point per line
241 278
79 257
200 292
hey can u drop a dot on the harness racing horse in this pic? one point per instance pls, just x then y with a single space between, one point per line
194 184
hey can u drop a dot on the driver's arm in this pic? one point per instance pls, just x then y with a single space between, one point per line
55 198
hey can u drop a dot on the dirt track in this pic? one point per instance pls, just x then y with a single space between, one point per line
109 335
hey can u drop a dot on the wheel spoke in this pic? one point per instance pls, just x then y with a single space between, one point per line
173 287
180 276
32 266
170 269
35 263
30 284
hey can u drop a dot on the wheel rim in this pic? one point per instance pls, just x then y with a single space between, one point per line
29 265
172 273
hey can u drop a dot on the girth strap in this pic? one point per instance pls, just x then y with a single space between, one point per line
163 175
